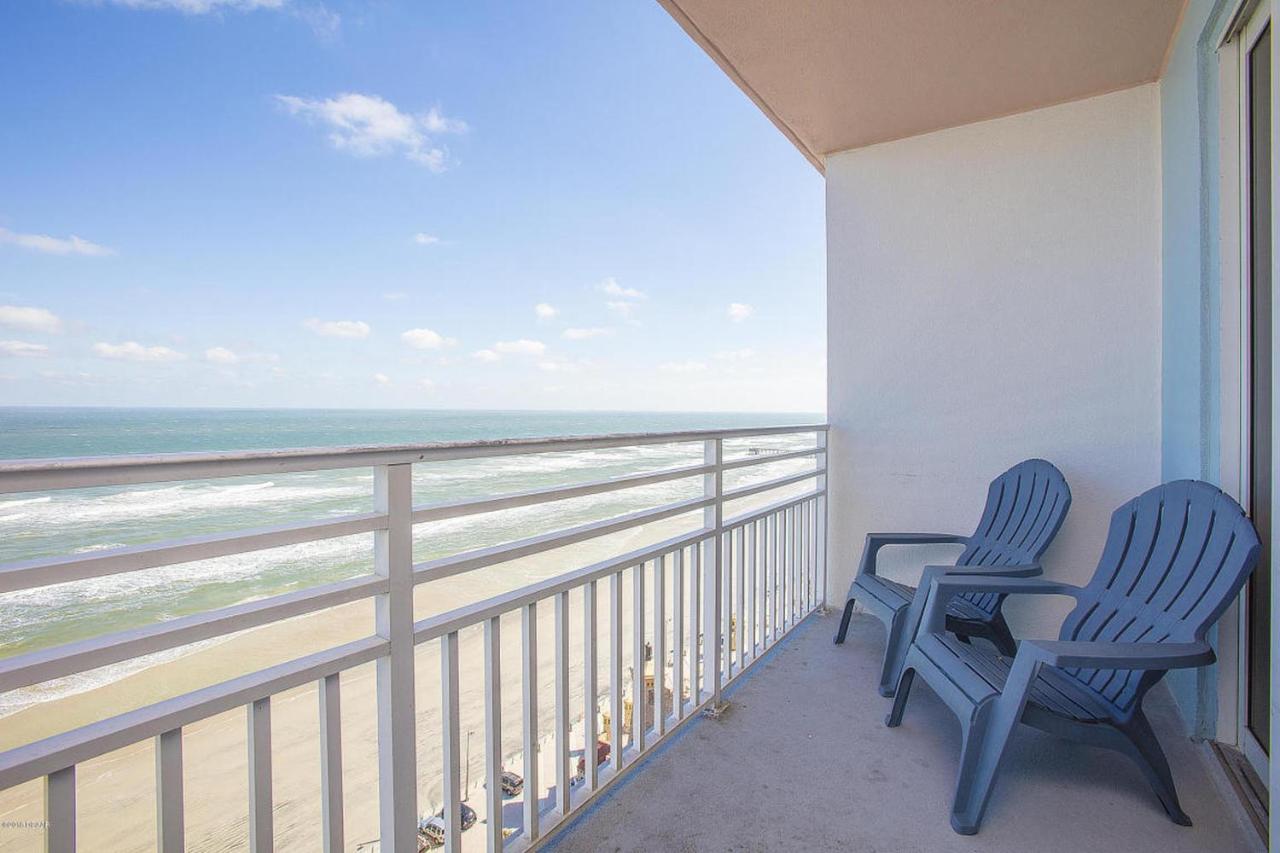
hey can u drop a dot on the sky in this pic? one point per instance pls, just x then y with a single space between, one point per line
396 204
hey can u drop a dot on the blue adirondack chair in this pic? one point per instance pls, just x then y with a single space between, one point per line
1025 507
1175 558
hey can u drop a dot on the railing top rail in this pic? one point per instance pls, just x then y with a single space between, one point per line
22 475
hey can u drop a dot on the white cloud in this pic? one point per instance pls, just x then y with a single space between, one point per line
584 334
395 296
221 355
625 310
426 384
554 365
486 355
200 7
323 22
30 319
543 311
739 311
610 287
338 328
134 351
427 339
736 354
683 367
369 126
422 238
434 122
72 245
524 346
22 349
382 378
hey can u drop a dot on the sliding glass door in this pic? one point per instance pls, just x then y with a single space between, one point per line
1256 94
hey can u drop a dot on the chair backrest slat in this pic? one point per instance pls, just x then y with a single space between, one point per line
1175 558
1025 508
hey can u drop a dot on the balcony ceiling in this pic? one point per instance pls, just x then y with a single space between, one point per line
841 74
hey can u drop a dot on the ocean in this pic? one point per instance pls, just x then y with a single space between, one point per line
37 525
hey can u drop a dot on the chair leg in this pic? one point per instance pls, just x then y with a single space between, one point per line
1145 750
895 649
900 697
985 739
844 620
1002 637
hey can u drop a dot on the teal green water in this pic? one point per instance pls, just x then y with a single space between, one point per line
38 525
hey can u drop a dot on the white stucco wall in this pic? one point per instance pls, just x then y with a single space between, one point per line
993 293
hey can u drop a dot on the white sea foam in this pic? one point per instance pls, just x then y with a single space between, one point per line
152 504
7 505
120 588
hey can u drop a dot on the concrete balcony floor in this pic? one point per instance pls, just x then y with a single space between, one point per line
803 761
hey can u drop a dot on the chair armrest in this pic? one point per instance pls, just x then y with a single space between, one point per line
1034 654
916 610
1022 570
916 538
1102 655
876 541
943 589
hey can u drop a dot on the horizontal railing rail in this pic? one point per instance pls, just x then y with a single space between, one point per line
704 605
25 475
134 558
72 658
456 509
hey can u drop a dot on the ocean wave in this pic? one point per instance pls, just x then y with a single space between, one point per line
20 609
6 505
150 504
635 458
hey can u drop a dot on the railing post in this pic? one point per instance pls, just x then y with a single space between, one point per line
616 707
590 689
397 749
821 535
638 705
450 743
713 571
564 775
493 731
677 633
261 803
659 645
331 817
60 811
529 652
170 826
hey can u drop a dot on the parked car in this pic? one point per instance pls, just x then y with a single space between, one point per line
512 783
602 758
431 829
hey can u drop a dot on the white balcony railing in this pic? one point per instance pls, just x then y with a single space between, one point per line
740 580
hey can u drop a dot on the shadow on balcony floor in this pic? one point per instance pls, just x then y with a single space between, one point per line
803 761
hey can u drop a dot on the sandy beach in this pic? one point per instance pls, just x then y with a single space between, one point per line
116 793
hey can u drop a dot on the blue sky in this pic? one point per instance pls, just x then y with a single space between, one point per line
365 204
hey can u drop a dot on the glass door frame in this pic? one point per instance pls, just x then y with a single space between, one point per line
1250 21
